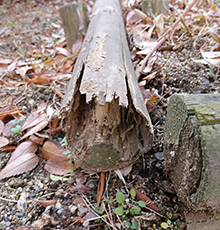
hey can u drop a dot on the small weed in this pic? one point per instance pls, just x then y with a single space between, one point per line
211 68
16 122
128 207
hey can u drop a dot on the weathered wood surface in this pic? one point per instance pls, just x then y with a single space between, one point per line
154 7
192 149
103 112
74 20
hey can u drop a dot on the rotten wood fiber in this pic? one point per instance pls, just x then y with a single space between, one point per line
103 113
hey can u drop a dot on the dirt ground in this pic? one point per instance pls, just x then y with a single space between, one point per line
26 29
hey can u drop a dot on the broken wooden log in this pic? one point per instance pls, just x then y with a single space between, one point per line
103 113
74 20
192 151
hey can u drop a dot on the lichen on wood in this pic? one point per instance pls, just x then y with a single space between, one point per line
103 112
191 149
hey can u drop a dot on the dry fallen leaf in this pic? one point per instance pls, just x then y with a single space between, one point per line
35 129
23 148
1 126
58 168
22 228
46 203
33 119
80 187
53 150
22 164
77 45
212 58
3 141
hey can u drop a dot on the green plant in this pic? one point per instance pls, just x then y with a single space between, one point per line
211 68
16 122
128 206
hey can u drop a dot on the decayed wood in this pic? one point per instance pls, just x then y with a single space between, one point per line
103 113
75 21
192 149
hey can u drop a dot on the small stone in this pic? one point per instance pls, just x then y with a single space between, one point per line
59 211
19 214
2 225
58 205
73 209
11 183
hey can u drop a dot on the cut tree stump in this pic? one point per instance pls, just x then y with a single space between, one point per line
192 152
74 20
103 113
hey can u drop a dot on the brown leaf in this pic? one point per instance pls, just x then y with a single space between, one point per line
1 126
212 58
7 148
126 170
58 168
22 164
37 140
22 228
3 141
78 219
33 119
35 129
80 187
7 129
77 45
143 197
46 203
5 61
63 51
39 80
23 148
50 62
23 70
52 150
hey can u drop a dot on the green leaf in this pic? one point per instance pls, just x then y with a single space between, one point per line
66 152
127 224
119 211
100 212
136 210
59 139
169 222
13 122
69 156
135 225
164 225
133 193
120 197
21 119
131 211
141 203
16 129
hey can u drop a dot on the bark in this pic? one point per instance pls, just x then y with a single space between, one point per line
103 112
192 149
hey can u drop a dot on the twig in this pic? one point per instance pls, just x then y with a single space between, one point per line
162 39
91 208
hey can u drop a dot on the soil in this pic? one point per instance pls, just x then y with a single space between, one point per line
180 74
